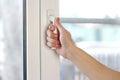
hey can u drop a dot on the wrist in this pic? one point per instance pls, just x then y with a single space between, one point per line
71 50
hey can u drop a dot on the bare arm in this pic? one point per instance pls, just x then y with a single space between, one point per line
92 68
65 47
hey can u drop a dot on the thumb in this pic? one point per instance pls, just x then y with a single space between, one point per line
58 24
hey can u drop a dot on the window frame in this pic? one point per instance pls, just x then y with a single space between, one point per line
41 60
24 42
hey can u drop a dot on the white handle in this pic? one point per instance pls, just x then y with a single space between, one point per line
52 18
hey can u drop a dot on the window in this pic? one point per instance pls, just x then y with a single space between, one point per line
11 40
99 21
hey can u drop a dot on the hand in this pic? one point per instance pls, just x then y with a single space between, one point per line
62 40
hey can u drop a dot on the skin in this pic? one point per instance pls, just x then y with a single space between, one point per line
65 47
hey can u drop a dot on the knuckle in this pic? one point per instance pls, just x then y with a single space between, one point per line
47 32
50 44
51 34
47 38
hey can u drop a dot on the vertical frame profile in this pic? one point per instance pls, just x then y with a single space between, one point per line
33 39
24 42
41 61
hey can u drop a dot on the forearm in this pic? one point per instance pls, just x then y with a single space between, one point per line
92 68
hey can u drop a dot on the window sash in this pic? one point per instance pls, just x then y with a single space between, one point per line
41 60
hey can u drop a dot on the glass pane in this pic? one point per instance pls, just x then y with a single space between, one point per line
90 8
102 41
11 40
94 32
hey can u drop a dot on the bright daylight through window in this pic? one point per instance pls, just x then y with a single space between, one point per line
11 40
100 39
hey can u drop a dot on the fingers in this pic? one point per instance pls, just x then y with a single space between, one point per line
52 45
54 41
52 38
52 35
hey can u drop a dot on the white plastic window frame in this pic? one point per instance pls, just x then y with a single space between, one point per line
42 62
